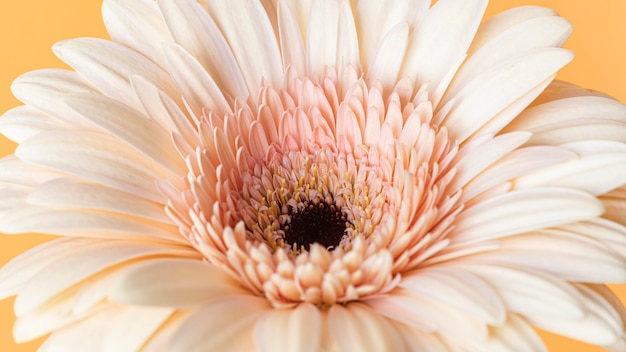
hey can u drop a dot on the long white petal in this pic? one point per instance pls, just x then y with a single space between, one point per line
441 40
100 62
474 159
529 292
194 30
537 32
517 335
460 289
66 192
251 38
71 269
347 40
561 253
14 171
601 325
129 126
137 24
225 324
496 25
358 328
494 90
518 162
44 90
566 110
130 328
15 274
385 65
86 223
97 157
596 173
301 329
85 335
170 282
194 83
291 40
376 18
18 124
522 211
321 40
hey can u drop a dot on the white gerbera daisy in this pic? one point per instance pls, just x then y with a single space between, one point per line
317 175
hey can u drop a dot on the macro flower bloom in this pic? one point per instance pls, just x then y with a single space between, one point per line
315 175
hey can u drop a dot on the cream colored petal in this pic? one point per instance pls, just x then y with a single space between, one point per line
385 65
518 162
459 289
137 24
301 10
496 25
18 124
131 327
225 324
321 40
558 90
67 192
516 335
424 313
171 282
419 340
356 327
565 254
45 89
291 40
501 86
108 66
473 158
595 173
11 197
85 335
347 40
522 211
251 38
194 30
160 339
376 18
615 205
53 315
609 233
194 83
71 269
131 127
95 289
300 329
508 114
566 110
441 40
86 223
601 324
578 131
150 97
534 33
96 157
14 171
15 274
529 292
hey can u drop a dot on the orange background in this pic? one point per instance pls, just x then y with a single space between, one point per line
28 28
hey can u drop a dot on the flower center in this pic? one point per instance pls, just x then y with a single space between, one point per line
320 222
324 191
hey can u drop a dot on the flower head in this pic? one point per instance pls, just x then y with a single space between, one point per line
315 175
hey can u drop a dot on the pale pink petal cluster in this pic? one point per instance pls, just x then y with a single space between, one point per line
315 175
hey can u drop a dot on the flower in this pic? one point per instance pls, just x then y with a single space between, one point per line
315 175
